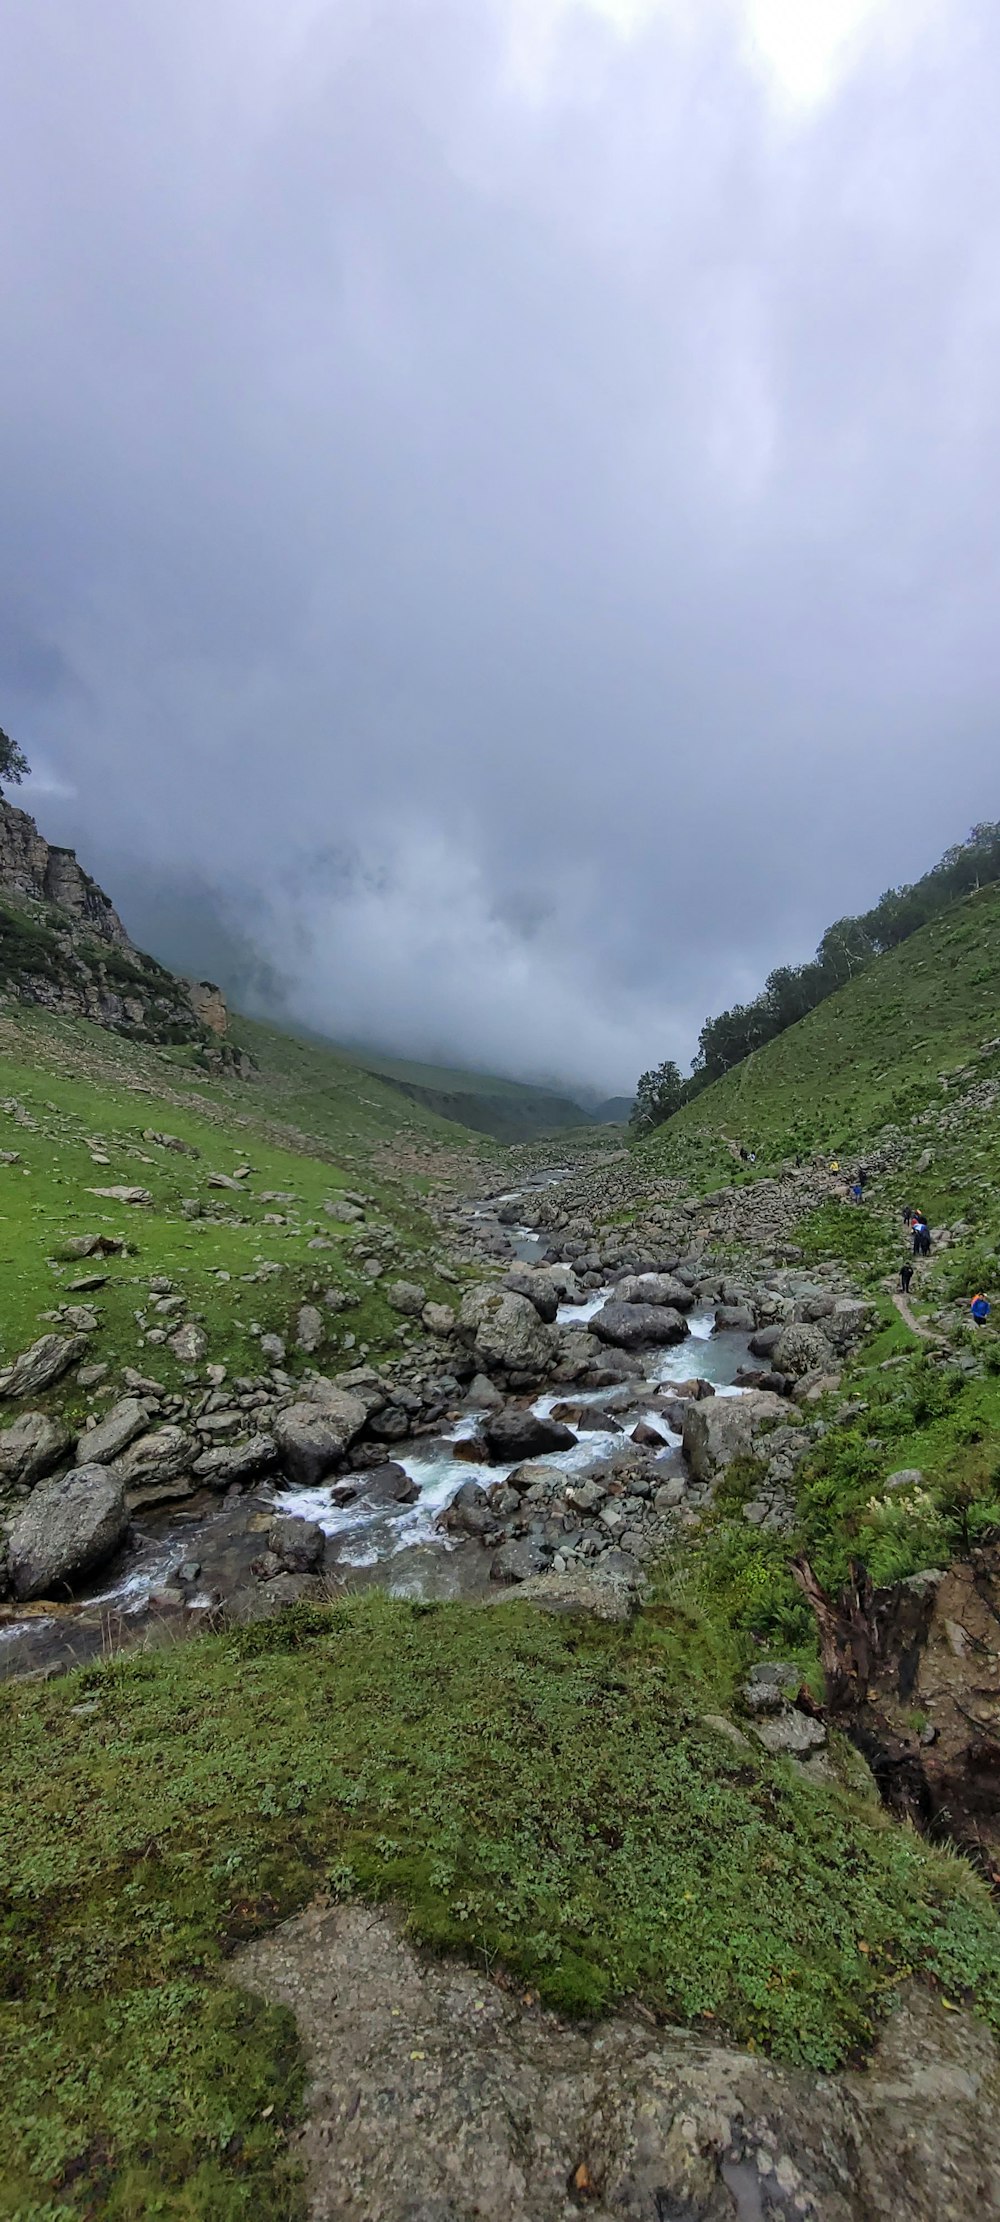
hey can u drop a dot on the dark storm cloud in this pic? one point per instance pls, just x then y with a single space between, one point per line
513 523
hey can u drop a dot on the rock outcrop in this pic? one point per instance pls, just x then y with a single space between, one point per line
63 945
428 2074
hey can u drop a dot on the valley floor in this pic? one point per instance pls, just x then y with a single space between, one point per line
399 1911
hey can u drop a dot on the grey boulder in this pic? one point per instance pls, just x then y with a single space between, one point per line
32 1446
721 1428
507 1332
68 1528
45 1362
632 1325
312 1438
517 1433
236 1462
112 1435
801 1349
654 1288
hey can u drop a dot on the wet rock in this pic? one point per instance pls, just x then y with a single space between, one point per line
391 1425
113 1434
32 1446
309 1329
68 1527
386 1484
634 1325
648 1438
311 1439
189 1344
470 1512
298 1545
720 1429
45 1362
734 1319
263 1600
238 1462
518 1433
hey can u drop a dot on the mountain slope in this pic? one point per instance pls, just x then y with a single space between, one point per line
509 1110
83 1109
872 1054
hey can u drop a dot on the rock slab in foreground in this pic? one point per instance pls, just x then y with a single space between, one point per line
67 1529
438 2097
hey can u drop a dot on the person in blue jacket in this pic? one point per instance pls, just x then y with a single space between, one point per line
980 1310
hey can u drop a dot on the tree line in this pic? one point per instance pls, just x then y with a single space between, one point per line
792 990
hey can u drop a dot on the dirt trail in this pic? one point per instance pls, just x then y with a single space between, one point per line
927 1334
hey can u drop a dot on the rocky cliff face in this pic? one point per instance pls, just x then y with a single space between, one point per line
31 867
63 945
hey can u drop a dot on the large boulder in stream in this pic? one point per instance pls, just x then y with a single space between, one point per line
721 1428
654 1288
517 1433
312 1439
507 1333
630 1326
67 1529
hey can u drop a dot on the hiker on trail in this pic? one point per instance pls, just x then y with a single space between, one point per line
862 1176
980 1310
834 1167
908 1215
857 1192
921 1237
905 1277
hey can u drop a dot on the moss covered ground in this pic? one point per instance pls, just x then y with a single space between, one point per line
528 1791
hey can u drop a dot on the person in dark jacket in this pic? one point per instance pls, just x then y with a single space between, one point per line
905 1277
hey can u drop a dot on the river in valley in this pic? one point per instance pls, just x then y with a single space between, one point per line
402 1548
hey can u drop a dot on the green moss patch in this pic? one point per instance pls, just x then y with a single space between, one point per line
541 1793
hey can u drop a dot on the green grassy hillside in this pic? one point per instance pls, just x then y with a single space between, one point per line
875 1053
509 1110
78 1108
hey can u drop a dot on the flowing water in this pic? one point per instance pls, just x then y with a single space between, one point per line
400 1547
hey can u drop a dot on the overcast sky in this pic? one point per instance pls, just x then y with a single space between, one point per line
501 497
